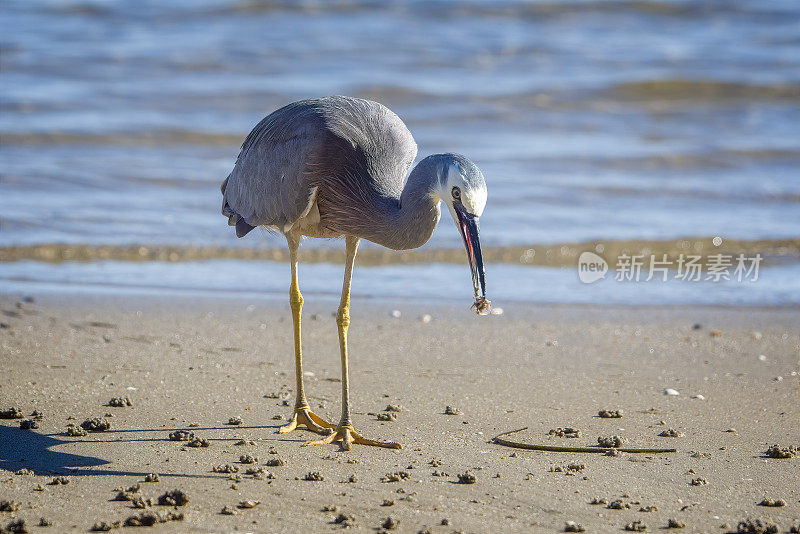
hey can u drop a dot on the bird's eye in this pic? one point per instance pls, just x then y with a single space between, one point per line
456 193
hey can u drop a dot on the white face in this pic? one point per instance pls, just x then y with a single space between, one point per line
473 199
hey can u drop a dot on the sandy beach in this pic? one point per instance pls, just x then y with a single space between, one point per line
193 363
641 232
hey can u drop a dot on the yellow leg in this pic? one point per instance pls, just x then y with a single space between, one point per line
344 431
302 411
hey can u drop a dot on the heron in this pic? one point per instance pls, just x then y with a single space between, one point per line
336 167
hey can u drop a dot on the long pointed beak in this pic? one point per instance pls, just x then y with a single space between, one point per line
468 225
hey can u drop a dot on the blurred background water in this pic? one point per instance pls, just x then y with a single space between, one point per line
592 120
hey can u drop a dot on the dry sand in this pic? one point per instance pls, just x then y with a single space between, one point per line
192 363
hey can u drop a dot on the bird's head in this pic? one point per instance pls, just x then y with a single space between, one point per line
463 189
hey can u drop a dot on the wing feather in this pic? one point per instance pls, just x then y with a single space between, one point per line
356 153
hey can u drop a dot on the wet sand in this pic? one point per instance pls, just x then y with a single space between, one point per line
194 364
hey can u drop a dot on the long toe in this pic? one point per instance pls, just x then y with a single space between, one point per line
347 436
304 417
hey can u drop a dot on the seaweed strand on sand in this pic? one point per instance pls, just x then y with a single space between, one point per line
554 448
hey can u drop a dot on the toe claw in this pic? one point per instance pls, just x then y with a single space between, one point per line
323 441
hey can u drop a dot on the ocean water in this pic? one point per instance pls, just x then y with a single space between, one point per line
639 124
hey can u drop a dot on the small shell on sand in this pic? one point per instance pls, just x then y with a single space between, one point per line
394 408
346 520
58 481
314 476
199 442
757 526
772 502
141 502
259 473
96 424
387 416
249 504
397 476
17 525
227 468
76 431
671 392
11 413
274 462
565 432
181 435
152 477
699 481
390 523
128 494
104 526
228 510
9 506
636 526
174 498
618 504
671 433
610 414
573 526
776 451
449 410
247 459
28 424
570 468
674 523
612 442
235 420
120 402
467 478
147 519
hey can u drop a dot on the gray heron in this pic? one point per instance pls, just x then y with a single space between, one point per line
336 166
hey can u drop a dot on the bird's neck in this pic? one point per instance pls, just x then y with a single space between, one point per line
411 224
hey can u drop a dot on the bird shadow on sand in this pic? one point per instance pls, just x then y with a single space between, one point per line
27 449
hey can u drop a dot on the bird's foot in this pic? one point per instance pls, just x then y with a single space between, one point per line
348 436
305 417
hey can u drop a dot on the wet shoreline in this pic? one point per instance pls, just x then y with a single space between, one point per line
773 251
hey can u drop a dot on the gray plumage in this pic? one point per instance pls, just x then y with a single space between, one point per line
335 166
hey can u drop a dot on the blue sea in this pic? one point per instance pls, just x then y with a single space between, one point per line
632 123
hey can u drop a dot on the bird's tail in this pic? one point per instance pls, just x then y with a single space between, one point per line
234 219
